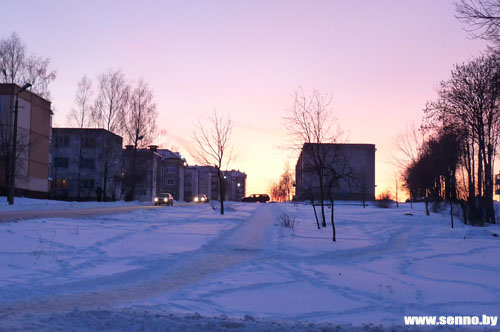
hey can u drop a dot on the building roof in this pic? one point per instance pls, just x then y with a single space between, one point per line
77 130
167 154
11 89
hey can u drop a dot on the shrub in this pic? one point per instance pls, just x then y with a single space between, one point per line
385 200
286 220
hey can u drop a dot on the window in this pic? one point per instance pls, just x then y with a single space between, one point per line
62 162
88 142
61 183
170 170
170 182
88 163
87 184
62 141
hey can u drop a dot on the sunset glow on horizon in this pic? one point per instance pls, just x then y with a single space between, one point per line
380 60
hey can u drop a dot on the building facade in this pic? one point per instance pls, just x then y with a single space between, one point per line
236 183
85 161
171 173
197 180
147 169
349 171
204 180
33 141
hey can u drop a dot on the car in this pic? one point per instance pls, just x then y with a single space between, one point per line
200 198
415 199
164 198
262 198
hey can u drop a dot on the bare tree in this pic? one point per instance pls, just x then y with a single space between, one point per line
6 140
19 68
214 149
338 173
310 121
80 117
281 191
142 116
112 101
482 17
469 101
408 143
140 124
109 112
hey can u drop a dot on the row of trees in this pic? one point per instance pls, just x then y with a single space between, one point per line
455 162
120 106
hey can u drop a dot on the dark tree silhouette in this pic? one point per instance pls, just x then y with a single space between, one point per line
482 18
19 68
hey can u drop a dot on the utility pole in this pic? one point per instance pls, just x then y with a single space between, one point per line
12 172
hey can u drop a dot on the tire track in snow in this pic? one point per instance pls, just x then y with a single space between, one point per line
241 245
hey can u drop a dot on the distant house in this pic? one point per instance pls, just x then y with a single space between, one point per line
355 161
171 173
33 141
147 170
82 160
204 180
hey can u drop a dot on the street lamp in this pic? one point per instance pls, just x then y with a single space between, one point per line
12 173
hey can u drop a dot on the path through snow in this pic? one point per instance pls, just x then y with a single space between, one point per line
240 245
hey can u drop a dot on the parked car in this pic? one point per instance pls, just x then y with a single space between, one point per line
164 198
262 198
200 198
415 199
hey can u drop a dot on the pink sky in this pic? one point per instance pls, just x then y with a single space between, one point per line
381 60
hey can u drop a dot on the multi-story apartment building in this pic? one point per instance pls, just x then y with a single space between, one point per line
171 173
204 180
33 140
86 164
352 164
147 170
235 185
197 180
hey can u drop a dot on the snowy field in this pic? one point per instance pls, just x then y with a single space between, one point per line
187 268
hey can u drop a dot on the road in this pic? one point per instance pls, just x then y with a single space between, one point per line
70 213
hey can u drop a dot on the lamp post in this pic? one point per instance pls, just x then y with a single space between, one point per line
134 167
12 173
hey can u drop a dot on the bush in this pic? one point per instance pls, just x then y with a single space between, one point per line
286 220
385 200
439 206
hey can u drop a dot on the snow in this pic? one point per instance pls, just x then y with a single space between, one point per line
188 268
30 204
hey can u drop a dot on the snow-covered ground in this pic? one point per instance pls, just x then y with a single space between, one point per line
29 204
188 268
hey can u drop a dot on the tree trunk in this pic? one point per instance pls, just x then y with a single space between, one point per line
79 185
427 203
451 213
322 201
315 214
134 175
332 219
105 184
221 191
